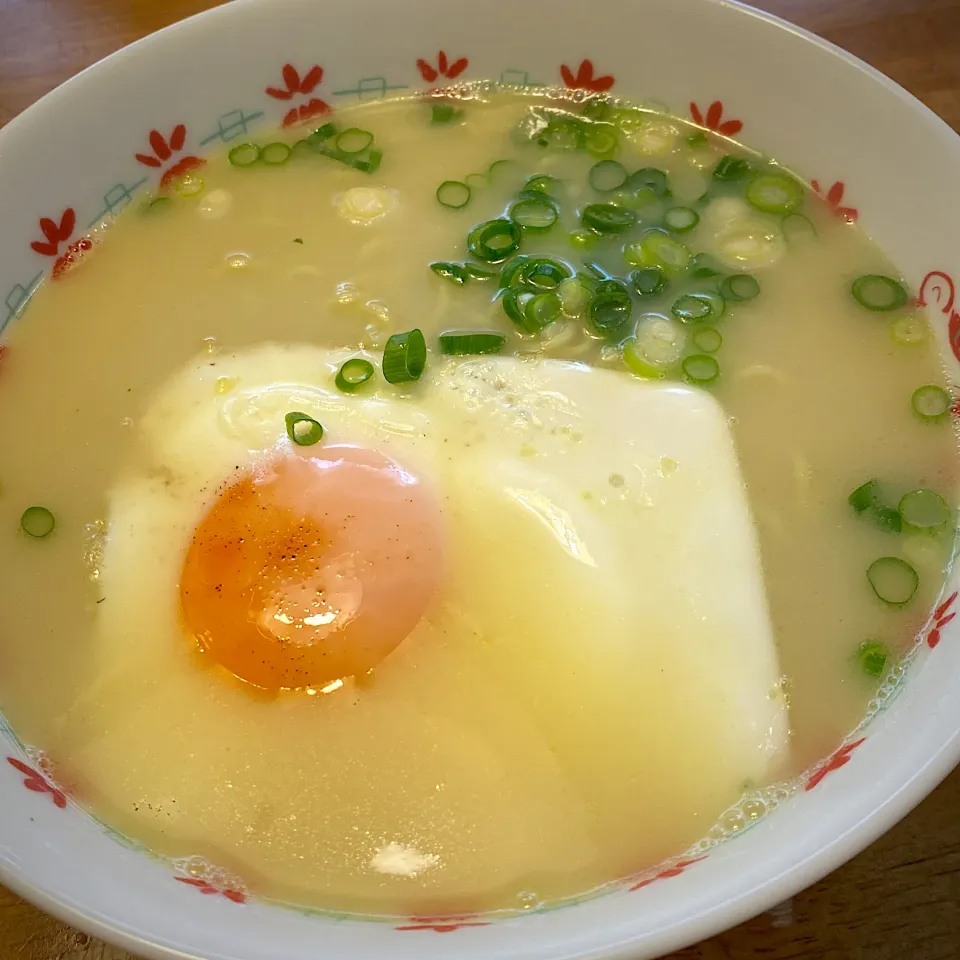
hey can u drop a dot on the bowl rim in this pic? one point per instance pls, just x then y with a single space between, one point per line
765 892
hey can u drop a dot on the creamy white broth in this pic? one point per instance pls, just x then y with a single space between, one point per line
817 392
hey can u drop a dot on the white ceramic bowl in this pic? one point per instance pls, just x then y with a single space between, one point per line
876 154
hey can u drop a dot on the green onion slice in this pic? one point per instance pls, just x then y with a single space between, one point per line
462 343
540 183
607 175
541 309
371 164
354 140
322 134
583 239
442 113
700 368
453 194
575 296
512 273
611 306
302 430
607 218
155 204
774 192
867 495
872 655
730 169
275 154
475 271
704 267
601 140
244 155
893 580
698 305
494 240
656 348
649 178
739 286
681 219
404 357
707 339
648 281
657 249
876 292
37 522
909 331
930 402
514 301
499 168
924 510
450 271
354 374
545 274
797 228
697 139
476 181
536 214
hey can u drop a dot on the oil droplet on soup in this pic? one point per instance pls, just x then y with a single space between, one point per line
513 627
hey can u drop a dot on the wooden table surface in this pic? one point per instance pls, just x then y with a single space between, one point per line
900 899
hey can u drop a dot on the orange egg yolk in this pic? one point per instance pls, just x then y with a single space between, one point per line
313 569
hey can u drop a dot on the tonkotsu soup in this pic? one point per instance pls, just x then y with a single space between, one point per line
465 507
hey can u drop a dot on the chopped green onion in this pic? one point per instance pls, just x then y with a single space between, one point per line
707 339
648 281
876 292
302 430
872 655
537 214
353 140
541 309
371 164
494 240
322 134
730 169
514 301
353 374
156 204
924 510
574 296
513 271
607 175
867 495
244 155
275 154
888 518
453 194
701 368
540 183
476 181
930 402
544 273
189 185
739 286
681 219
774 192
795 227
692 307
37 522
656 348
607 218
657 249
461 343
476 272
698 139
649 178
498 168
450 271
611 307
704 267
443 113
583 239
893 580
562 134
404 357
601 141
596 271
908 331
